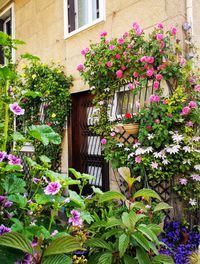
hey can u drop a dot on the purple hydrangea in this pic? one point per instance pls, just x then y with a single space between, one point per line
52 188
16 109
3 155
13 160
4 229
75 219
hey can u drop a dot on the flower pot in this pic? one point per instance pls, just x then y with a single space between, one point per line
131 129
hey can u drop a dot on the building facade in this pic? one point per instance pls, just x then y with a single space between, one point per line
59 29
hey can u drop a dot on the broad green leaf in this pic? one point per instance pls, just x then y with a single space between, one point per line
18 136
17 226
141 240
110 195
86 216
108 234
33 94
31 162
155 228
97 190
55 176
19 199
142 256
148 233
57 259
10 256
44 159
162 206
112 221
146 193
126 220
98 224
75 173
13 168
61 245
138 205
17 241
123 244
126 174
12 184
69 181
76 199
129 260
45 134
98 243
164 259
42 198
29 56
106 258
87 177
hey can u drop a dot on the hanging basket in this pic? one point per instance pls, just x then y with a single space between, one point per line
131 129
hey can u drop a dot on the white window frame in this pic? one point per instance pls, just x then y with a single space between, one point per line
2 14
102 17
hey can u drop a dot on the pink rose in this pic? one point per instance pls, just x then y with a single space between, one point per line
111 47
117 56
157 121
162 44
197 88
159 77
108 64
159 36
138 159
125 35
120 41
150 72
103 34
173 30
160 25
192 104
185 110
155 85
119 74
123 68
154 98
103 141
138 31
144 59
80 67
136 74
131 86
150 59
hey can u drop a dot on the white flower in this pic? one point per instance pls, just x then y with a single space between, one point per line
126 149
165 162
139 151
197 167
101 102
131 155
195 177
135 145
148 150
176 137
192 201
173 149
154 165
148 206
160 154
187 162
107 89
187 149
195 139
150 136
92 88
120 145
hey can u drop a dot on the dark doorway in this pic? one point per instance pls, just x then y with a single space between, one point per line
84 146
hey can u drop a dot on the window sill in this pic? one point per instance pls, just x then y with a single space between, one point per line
85 27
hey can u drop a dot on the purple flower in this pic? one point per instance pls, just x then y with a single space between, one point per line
154 98
13 160
4 229
52 188
16 109
7 204
195 177
55 232
183 181
3 155
103 141
27 260
75 219
34 242
80 67
189 123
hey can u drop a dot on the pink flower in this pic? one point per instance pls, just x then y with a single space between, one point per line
119 74
155 85
138 159
84 51
150 59
103 141
109 64
183 181
103 34
154 98
111 47
13 160
55 232
189 123
117 56
144 59
162 44
125 35
195 177
75 219
130 46
192 104
159 36
136 82
148 127
173 30
159 77
182 61
157 121
135 74
113 134
185 110
191 80
197 88
120 41
80 67
138 30
160 25
154 165
52 188
16 109
123 68
3 155
150 72
131 86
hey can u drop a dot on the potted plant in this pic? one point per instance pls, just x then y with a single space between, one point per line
130 123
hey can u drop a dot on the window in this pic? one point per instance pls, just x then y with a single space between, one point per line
7 25
81 14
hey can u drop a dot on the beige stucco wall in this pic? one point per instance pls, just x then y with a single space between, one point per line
196 24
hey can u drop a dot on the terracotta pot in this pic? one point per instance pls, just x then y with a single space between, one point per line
131 129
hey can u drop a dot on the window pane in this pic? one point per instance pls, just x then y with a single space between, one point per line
82 13
95 9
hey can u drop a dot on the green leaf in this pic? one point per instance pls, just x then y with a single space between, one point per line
129 260
155 228
17 226
142 256
33 94
138 205
45 134
44 159
75 173
76 199
123 244
17 241
110 195
97 190
10 256
87 177
105 258
42 198
146 193
162 206
148 233
29 56
19 199
18 136
12 184
86 216
98 243
31 162
141 240
61 245
13 168
112 221
164 259
126 174
57 259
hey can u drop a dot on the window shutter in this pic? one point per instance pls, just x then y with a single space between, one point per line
1 50
71 16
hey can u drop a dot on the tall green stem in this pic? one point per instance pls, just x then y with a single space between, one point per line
6 121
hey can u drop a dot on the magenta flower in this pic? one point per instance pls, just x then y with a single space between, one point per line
159 77
155 85
80 67
85 51
117 56
197 88
130 46
103 34
16 109
183 181
138 159
159 36
13 160
125 35
138 30
111 47
150 59
109 64
150 72
182 61
160 25
119 74
135 74
113 134
157 121
144 59
52 188
192 104
123 68
131 86
154 98
120 41
103 141
3 155
185 110
75 219
173 30
191 80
